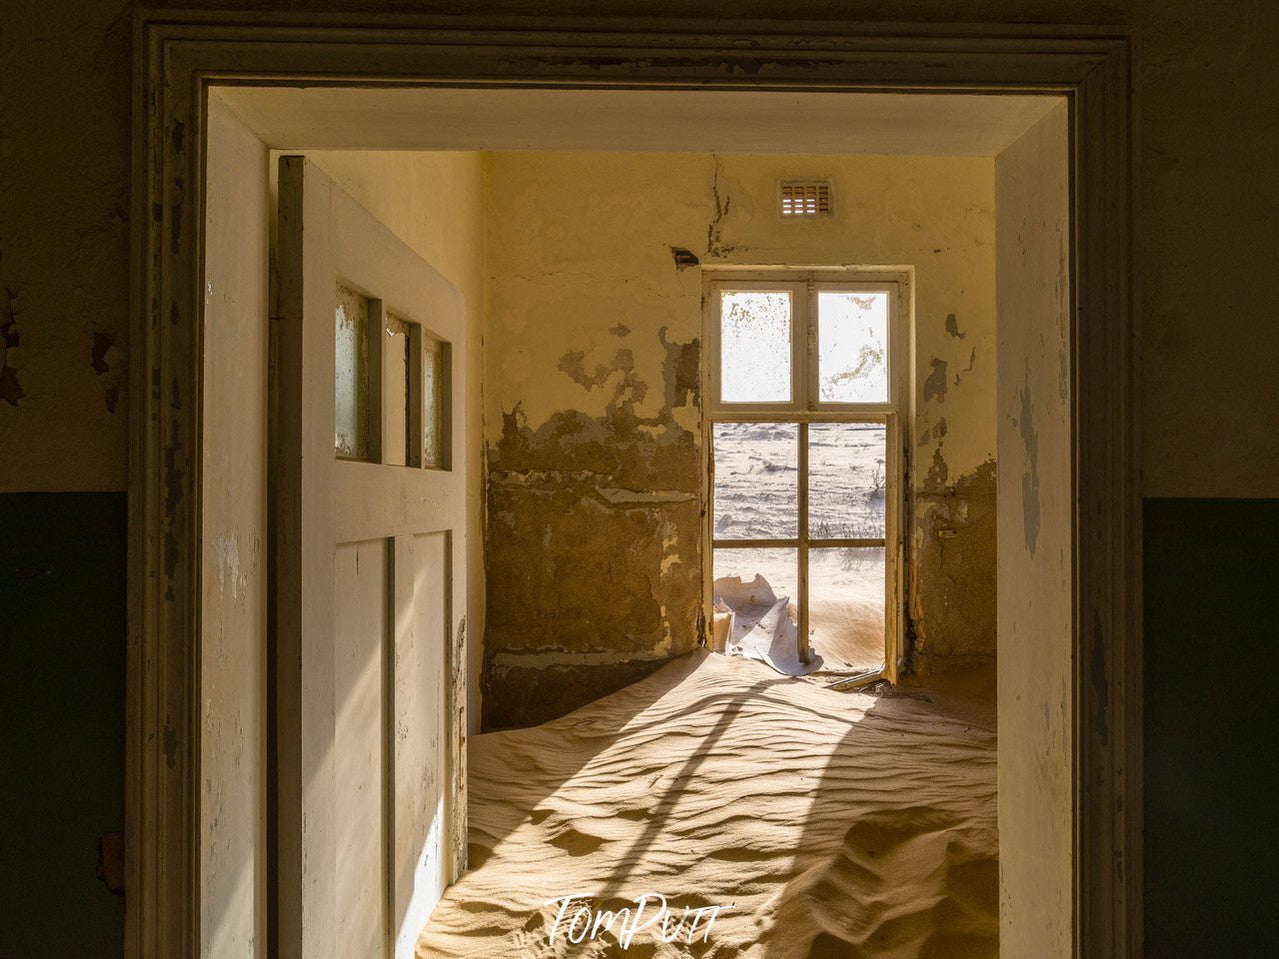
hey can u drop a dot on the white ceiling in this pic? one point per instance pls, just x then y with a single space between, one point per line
721 121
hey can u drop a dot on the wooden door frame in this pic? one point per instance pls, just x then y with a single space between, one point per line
177 56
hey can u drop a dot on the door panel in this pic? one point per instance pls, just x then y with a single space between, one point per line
421 644
359 627
370 582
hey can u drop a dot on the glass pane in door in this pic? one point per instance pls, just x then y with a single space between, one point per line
756 480
351 375
846 606
847 480
751 584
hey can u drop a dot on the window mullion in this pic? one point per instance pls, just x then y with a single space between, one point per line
803 543
810 345
755 544
808 303
799 346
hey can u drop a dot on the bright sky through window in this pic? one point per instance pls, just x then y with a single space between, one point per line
755 346
852 338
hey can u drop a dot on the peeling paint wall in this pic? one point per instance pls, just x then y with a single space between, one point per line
64 247
950 592
593 415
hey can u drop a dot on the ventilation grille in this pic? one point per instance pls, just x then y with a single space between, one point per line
803 198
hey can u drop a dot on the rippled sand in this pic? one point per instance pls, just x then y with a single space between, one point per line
827 824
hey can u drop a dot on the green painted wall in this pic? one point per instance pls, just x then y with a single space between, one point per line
62 639
1212 727
1212 778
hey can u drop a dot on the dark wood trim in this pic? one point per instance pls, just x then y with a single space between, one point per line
1108 650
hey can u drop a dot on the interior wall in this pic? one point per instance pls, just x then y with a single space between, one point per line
1035 544
433 202
233 520
62 628
1211 849
592 405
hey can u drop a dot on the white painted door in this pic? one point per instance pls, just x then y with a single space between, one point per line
370 519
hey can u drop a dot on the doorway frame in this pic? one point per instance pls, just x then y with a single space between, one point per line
178 56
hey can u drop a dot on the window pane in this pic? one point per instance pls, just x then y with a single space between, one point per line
847 480
435 359
395 384
846 606
756 480
852 341
755 346
351 376
751 583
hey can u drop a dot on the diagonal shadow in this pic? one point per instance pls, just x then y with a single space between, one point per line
666 805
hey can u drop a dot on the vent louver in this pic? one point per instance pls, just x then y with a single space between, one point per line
805 198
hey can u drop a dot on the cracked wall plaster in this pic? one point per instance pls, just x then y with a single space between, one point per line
593 418
952 608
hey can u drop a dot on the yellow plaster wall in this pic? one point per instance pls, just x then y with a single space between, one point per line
584 306
580 242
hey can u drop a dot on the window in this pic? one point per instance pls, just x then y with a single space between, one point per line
391 386
804 391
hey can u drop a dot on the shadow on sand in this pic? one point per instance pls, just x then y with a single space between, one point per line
824 824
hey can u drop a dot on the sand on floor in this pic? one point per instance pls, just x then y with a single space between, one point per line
824 824
756 496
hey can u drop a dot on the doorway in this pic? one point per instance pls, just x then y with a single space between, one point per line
1033 436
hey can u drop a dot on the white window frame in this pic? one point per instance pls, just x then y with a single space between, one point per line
803 408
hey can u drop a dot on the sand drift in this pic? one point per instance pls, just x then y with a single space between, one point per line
822 824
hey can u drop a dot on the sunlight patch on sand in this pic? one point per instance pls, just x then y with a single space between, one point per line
834 824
